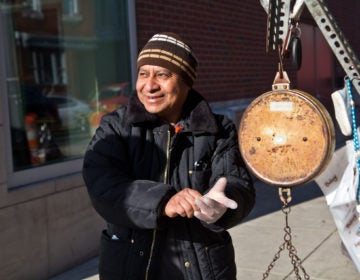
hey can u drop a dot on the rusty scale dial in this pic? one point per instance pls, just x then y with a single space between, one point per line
286 137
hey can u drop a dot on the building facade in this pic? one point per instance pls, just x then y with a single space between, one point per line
64 63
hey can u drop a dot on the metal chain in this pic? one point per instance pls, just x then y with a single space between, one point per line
287 244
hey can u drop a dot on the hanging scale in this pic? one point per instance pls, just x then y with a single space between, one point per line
286 138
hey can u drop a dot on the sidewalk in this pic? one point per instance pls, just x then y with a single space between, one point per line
314 236
256 241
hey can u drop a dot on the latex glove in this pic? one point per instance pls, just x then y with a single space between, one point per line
214 204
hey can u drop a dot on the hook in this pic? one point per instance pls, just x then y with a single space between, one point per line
285 195
353 78
281 67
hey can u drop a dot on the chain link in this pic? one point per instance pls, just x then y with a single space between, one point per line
287 244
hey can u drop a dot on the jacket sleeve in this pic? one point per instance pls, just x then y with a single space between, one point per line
227 162
117 197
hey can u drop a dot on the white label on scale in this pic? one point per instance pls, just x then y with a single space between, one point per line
281 106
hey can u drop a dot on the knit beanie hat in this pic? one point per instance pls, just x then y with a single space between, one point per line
168 50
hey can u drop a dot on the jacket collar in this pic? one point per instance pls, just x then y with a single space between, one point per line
197 116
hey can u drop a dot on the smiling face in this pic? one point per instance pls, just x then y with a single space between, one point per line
162 92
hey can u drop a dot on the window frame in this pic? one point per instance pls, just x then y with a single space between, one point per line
68 167
57 75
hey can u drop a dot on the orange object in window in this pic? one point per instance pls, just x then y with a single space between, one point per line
32 136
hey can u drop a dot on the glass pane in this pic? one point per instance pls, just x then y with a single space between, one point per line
62 72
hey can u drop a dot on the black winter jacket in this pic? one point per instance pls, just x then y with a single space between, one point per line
135 163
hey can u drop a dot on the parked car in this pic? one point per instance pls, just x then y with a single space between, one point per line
112 96
73 112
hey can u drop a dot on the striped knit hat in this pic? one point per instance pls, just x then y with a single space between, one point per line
169 51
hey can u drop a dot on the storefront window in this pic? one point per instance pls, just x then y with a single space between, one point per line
66 63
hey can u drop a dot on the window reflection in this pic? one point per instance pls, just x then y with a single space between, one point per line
67 64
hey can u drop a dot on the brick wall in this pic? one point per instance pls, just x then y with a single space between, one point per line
229 39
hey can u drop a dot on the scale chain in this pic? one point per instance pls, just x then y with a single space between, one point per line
287 244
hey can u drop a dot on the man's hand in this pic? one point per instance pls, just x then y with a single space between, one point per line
182 203
215 203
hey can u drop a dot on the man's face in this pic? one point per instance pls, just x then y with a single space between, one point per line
162 92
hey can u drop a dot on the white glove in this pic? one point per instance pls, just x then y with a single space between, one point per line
214 204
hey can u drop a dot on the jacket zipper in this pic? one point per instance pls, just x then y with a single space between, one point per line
166 178
167 167
151 254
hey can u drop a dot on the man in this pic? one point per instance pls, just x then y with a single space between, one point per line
166 175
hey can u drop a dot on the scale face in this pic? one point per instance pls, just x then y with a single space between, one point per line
286 137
